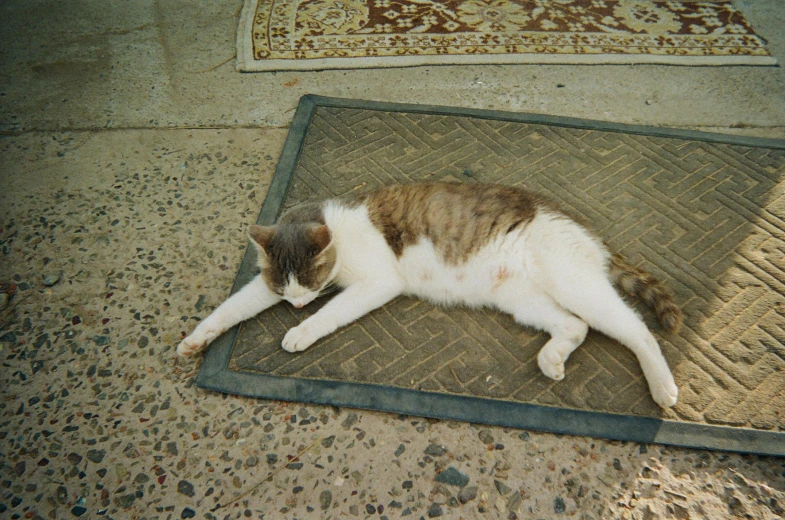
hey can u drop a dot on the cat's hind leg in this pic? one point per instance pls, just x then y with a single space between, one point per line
588 293
571 266
533 308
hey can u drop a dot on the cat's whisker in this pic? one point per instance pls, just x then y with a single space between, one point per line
328 289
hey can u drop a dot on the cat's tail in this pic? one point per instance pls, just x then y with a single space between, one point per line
653 292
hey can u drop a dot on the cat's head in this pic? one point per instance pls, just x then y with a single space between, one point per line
297 260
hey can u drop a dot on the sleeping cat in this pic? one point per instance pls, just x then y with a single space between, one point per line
451 243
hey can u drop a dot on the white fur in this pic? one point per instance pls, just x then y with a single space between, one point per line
551 274
298 295
249 301
365 268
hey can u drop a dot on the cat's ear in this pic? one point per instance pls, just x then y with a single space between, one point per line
261 236
321 236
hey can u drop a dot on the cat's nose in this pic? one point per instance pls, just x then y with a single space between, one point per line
298 305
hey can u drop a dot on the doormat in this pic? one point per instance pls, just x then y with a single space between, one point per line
333 34
705 213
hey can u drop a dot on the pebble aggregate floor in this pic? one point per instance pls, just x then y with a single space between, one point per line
114 244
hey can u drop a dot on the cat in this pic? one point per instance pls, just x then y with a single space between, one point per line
451 243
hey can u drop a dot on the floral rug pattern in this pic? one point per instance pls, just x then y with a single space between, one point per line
372 33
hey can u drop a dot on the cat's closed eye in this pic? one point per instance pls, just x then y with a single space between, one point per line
277 289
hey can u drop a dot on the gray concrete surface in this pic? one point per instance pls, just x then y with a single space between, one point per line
98 64
132 156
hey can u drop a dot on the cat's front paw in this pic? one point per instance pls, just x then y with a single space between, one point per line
196 342
298 339
551 363
190 346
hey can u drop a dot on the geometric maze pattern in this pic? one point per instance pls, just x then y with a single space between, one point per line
706 218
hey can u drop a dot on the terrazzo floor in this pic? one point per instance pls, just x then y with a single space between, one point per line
115 243
122 224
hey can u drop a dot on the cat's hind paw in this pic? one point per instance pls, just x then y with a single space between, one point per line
551 363
665 393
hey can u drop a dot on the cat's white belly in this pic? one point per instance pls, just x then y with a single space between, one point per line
496 268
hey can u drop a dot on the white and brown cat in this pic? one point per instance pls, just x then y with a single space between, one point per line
451 243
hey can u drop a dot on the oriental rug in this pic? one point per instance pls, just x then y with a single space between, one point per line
705 213
329 34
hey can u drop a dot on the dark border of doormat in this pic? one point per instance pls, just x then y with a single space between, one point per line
214 373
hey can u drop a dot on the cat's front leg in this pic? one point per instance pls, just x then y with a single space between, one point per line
249 301
354 302
301 337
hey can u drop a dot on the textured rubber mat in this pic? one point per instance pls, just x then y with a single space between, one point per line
703 212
